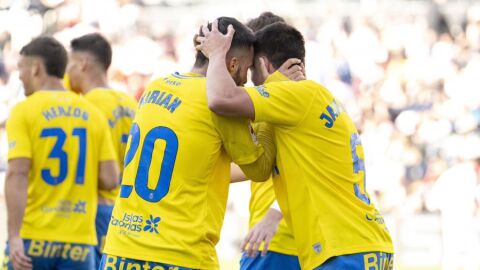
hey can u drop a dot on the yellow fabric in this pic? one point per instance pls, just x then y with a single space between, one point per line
119 109
60 208
175 219
262 197
319 167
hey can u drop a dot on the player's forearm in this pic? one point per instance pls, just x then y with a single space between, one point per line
222 92
16 185
236 174
261 169
273 215
109 175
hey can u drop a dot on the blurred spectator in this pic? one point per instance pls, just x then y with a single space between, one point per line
455 194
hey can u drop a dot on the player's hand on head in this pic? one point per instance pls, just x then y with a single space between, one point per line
17 255
263 231
213 42
294 69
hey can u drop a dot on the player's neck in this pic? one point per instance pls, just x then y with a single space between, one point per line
200 70
51 84
94 82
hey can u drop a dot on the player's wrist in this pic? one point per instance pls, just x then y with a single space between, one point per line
13 236
274 215
217 56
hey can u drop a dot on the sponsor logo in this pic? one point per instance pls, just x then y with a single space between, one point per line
135 223
262 91
67 207
375 217
12 144
317 247
152 224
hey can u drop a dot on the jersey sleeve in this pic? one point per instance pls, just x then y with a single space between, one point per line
107 150
19 144
238 139
281 103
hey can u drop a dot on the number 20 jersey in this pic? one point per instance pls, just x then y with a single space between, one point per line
65 137
175 181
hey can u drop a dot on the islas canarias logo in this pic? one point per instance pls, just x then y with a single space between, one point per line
136 223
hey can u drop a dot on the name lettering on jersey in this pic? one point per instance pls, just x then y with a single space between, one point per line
162 99
120 112
62 111
46 249
66 207
171 82
331 113
119 263
133 224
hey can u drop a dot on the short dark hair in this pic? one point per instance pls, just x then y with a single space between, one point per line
279 42
242 39
266 18
52 53
96 45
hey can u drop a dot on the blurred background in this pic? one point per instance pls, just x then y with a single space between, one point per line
408 72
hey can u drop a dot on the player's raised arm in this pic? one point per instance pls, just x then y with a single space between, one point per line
260 170
253 151
224 97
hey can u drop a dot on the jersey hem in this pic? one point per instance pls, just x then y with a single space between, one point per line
340 252
283 251
166 260
56 238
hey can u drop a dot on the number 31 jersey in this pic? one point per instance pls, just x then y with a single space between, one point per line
175 181
65 137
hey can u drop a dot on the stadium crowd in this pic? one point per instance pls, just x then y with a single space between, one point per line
408 81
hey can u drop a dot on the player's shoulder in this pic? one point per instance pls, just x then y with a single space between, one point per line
89 106
177 79
125 98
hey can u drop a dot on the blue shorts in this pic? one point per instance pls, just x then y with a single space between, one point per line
272 260
48 255
111 262
104 213
360 261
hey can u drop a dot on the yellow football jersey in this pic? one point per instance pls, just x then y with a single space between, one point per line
262 197
319 178
119 109
175 181
65 137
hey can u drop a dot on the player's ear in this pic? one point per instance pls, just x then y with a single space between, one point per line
233 65
268 65
36 67
84 62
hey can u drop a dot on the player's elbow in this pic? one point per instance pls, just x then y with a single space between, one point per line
261 177
256 173
218 105
109 175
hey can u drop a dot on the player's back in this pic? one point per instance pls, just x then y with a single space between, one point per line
319 178
63 135
175 182
119 109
